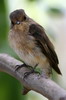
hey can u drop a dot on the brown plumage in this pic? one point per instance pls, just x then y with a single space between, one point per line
46 46
30 42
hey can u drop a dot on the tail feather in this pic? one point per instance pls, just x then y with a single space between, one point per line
55 67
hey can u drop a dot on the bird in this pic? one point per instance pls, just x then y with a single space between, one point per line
31 43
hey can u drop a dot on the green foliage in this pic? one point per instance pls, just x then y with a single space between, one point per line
10 88
32 0
3 21
55 12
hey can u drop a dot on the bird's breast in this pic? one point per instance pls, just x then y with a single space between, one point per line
23 46
26 49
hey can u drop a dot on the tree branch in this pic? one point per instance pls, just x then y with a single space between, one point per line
35 82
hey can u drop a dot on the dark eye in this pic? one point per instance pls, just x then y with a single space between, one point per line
12 22
24 17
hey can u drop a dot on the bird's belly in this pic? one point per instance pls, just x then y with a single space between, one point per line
27 58
30 54
32 59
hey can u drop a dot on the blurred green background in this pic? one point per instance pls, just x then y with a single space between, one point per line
51 14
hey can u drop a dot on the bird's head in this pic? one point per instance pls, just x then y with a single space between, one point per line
17 17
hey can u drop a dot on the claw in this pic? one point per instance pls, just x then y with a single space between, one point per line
26 74
20 66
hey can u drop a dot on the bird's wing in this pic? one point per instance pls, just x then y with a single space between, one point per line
45 45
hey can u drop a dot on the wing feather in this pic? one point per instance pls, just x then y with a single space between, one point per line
45 44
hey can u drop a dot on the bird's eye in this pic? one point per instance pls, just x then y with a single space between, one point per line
17 23
12 22
24 17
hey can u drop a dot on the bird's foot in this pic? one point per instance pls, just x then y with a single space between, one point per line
33 70
17 67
